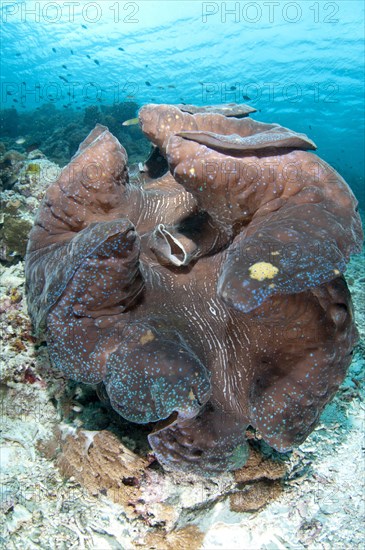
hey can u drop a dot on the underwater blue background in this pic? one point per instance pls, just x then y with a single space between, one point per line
301 64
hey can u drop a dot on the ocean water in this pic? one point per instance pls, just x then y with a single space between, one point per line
300 64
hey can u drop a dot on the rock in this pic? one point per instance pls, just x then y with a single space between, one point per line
10 164
13 238
256 496
102 464
259 467
36 154
35 176
19 516
188 537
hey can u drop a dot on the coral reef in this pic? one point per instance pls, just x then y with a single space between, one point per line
24 180
58 133
10 163
200 306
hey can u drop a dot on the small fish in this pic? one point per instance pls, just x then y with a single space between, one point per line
15 101
232 88
54 50
310 127
20 141
9 93
72 52
63 78
64 66
171 86
130 122
96 61
148 83
121 49
246 98
146 66
84 26
18 54
87 55
160 87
